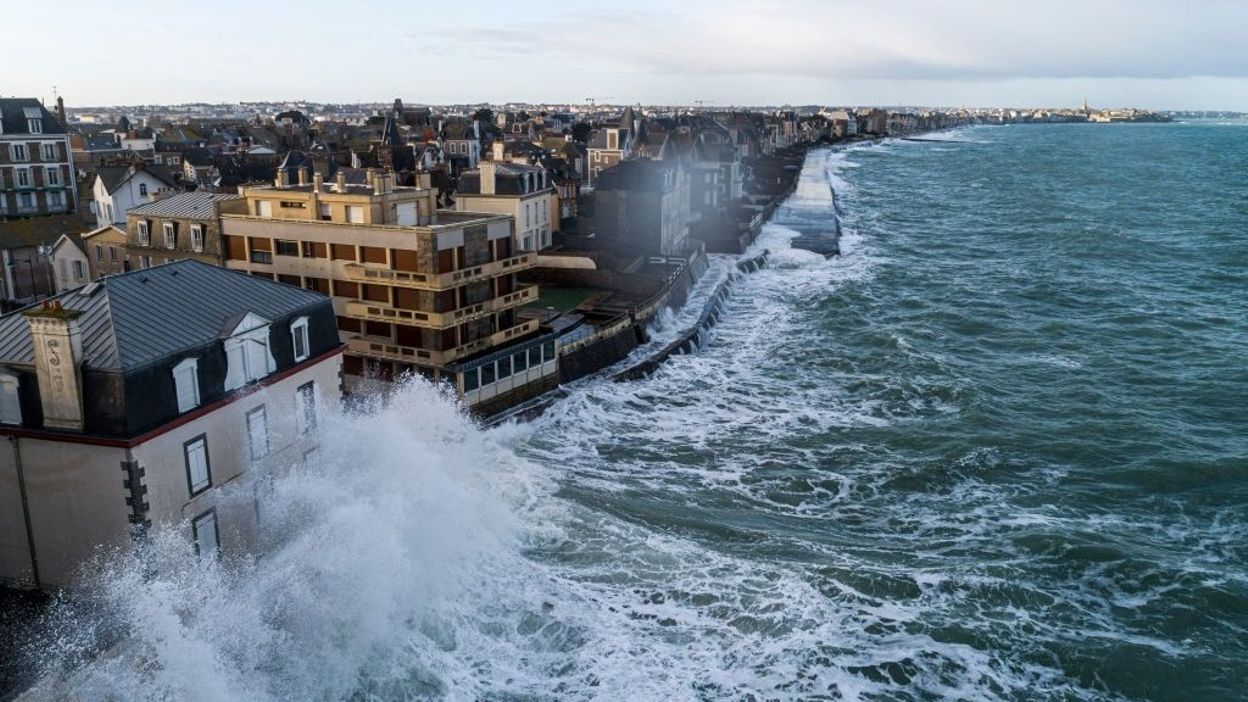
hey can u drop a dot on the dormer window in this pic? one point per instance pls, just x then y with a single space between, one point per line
35 125
299 338
186 382
10 404
197 238
247 354
171 235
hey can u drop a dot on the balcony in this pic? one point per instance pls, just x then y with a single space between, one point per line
426 357
374 312
380 275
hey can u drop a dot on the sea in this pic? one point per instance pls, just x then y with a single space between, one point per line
995 450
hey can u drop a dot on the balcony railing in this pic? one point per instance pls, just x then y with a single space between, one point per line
380 275
409 354
373 312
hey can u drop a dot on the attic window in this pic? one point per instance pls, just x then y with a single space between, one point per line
247 353
10 406
35 125
186 382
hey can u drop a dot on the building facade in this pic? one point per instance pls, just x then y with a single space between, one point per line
36 167
119 189
643 207
124 401
520 191
415 289
186 225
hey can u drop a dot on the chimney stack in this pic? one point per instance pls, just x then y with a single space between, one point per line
487 170
341 180
57 340
283 178
303 175
317 182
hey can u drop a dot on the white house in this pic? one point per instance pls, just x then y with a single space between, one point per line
118 189
70 266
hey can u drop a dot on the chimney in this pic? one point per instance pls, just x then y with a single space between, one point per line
60 111
371 175
341 180
303 175
317 182
283 178
57 340
499 150
487 170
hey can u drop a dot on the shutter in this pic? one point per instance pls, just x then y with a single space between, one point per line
258 433
236 364
187 387
257 358
197 465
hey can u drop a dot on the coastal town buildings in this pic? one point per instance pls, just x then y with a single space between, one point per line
36 167
186 225
642 206
151 398
119 189
106 251
415 289
521 191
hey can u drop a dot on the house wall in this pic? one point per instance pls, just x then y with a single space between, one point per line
67 275
126 198
39 188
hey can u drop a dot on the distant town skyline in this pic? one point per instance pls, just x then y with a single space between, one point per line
1160 54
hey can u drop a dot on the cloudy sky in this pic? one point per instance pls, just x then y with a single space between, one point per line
1160 54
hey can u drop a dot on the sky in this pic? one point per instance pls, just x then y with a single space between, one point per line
1158 54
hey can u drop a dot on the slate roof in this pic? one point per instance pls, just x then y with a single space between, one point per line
18 233
136 318
13 114
191 205
113 176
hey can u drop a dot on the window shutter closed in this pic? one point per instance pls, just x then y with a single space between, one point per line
236 373
197 465
187 387
257 359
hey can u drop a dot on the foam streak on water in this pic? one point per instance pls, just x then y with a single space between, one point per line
995 451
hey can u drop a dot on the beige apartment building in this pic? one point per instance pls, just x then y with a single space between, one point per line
415 289
519 190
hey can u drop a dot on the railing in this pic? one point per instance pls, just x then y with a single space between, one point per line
438 281
373 312
409 354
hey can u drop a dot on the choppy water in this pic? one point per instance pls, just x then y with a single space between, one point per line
998 450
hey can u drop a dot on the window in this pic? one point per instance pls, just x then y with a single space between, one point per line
145 261
52 176
548 351
535 356
171 235
355 214
144 236
326 212
197 238
56 199
186 382
472 380
520 361
487 374
35 125
204 528
112 254
504 368
305 407
287 248
80 272
25 201
99 253
247 353
299 338
17 152
258 433
10 405
23 177
49 152
198 474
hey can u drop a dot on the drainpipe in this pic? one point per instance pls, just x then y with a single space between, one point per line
21 486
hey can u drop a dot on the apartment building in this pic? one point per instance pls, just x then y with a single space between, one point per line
521 191
415 289
186 225
36 173
154 397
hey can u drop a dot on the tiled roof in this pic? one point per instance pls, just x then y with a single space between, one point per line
136 318
13 116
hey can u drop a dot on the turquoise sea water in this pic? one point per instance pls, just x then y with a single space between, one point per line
998 450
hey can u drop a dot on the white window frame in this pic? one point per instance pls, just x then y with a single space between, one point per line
171 237
25 201
198 465
10 399
49 152
244 354
298 333
197 238
186 384
306 407
143 189
18 152
55 199
198 524
258 432
144 234
35 125
52 175
22 178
